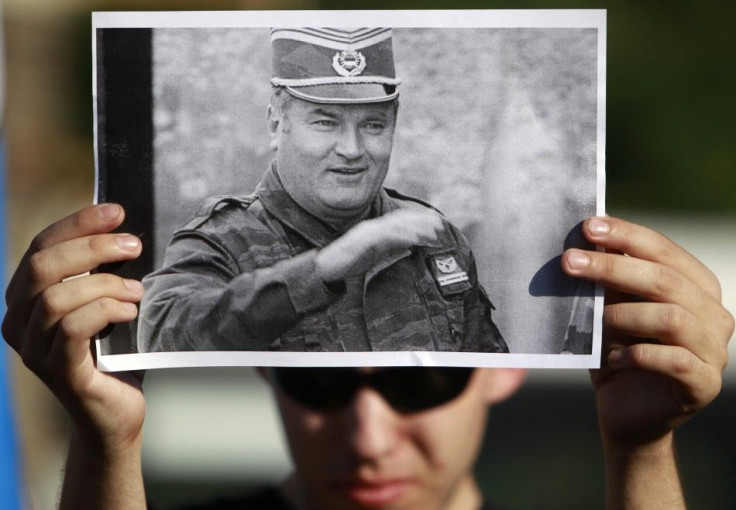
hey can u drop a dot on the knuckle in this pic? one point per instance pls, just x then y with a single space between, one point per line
723 356
68 327
51 301
713 287
40 265
682 361
106 282
97 244
712 385
605 265
640 354
613 315
78 220
666 281
39 241
708 282
106 306
673 319
730 323
664 248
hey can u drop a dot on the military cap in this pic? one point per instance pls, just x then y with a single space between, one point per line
334 65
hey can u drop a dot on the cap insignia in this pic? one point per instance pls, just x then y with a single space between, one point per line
348 63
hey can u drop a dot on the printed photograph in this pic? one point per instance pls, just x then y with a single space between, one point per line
329 196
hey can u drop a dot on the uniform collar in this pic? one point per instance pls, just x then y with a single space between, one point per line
279 203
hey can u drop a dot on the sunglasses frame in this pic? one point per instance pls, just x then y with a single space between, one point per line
406 389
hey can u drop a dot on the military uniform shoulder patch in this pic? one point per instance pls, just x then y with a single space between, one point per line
450 276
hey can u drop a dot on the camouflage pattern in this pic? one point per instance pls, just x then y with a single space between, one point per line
241 276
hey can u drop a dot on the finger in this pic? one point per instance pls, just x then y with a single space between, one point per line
62 298
96 219
668 323
78 256
646 244
652 281
421 228
51 265
406 228
70 343
697 383
91 220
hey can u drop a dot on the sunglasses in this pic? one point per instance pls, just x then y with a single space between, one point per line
406 389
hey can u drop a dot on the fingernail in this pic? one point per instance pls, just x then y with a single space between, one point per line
134 286
127 242
578 260
598 227
108 212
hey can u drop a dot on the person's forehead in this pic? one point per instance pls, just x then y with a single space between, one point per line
344 110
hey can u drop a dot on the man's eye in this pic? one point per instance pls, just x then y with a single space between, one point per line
326 123
374 127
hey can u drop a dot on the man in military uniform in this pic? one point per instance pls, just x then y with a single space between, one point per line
321 257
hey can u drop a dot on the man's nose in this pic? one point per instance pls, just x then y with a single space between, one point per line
373 428
350 144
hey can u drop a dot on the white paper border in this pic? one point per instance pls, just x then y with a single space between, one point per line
461 18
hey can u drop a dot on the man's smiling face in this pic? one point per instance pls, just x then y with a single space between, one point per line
332 158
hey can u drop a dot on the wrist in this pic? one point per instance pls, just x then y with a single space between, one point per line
107 447
643 476
101 475
658 447
326 268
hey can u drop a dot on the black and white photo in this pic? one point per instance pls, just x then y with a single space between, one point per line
321 195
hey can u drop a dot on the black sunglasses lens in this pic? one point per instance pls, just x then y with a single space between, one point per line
411 390
322 389
406 389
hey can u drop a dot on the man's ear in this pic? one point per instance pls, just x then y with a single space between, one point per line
502 383
274 121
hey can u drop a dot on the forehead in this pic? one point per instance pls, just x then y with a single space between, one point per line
384 110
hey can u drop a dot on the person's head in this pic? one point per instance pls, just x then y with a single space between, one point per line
332 158
332 117
404 440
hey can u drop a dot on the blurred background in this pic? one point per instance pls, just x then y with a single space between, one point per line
671 164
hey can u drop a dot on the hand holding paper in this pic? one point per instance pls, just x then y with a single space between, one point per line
664 350
51 318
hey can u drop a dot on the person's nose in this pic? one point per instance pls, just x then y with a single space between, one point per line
350 144
373 427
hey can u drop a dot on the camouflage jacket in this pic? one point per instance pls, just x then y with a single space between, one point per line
241 276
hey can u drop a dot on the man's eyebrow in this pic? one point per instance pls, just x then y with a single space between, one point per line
377 115
325 113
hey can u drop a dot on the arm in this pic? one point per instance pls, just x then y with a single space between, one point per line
202 300
49 322
665 347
